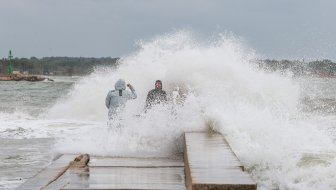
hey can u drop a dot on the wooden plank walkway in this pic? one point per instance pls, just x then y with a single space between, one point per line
117 173
129 178
211 164
208 163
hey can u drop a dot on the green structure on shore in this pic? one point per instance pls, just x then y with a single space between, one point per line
10 65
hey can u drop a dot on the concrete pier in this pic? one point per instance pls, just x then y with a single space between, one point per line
208 163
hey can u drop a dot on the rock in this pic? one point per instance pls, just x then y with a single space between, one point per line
80 161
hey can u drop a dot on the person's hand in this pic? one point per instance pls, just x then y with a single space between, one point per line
129 85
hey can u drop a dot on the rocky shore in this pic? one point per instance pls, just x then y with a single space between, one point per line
17 77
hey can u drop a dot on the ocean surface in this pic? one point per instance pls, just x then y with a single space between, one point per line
282 128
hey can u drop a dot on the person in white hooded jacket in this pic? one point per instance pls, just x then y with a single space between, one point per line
116 99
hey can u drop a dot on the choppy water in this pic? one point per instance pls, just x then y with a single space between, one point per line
25 146
282 128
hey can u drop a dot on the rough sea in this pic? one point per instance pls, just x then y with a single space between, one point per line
282 128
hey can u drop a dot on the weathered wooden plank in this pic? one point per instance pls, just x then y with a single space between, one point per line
113 173
128 178
135 162
211 149
211 164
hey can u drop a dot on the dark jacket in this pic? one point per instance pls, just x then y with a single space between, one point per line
155 96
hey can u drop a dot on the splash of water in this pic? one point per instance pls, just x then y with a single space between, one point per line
257 112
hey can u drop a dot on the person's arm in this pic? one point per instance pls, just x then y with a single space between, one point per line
133 94
107 100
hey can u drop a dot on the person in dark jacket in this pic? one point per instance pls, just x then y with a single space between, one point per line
156 96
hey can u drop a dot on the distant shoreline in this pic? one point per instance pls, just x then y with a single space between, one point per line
58 66
320 68
80 66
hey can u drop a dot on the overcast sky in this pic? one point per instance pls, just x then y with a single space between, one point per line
279 29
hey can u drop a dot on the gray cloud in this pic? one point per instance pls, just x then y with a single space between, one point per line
275 29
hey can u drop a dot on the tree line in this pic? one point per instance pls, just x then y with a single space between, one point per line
320 68
58 65
82 66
